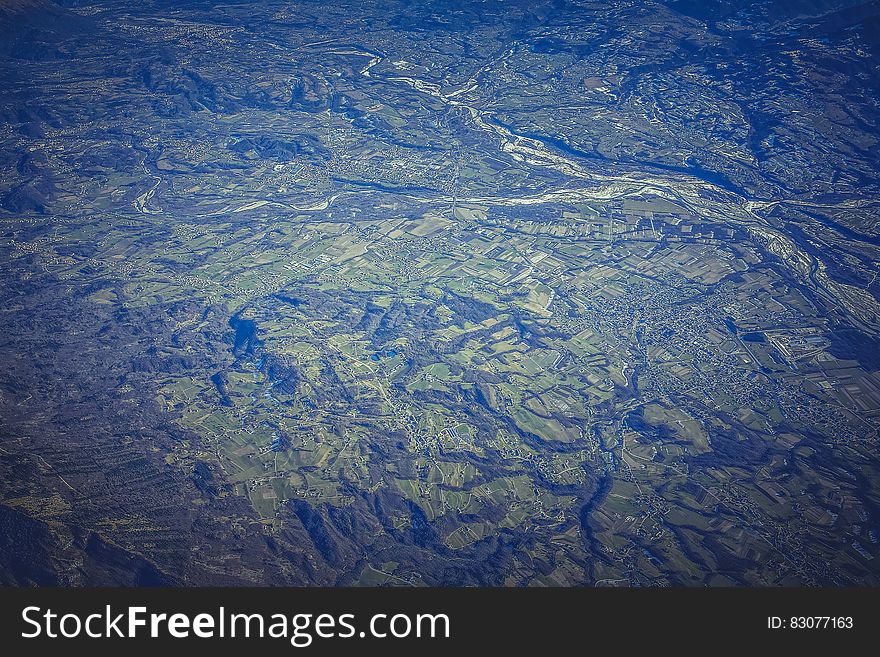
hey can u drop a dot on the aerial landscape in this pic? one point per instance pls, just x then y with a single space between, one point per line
440 293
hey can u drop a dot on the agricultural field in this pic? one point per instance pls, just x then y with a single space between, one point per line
558 294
